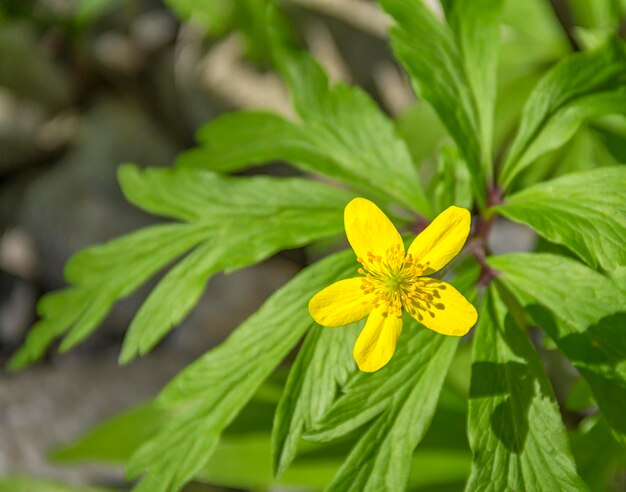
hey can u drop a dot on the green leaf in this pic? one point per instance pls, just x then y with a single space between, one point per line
230 223
413 378
597 13
101 275
242 457
584 211
324 361
443 67
514 427
453 183
206 397
367 395
381 459
581 85
584 313
476 26
341 134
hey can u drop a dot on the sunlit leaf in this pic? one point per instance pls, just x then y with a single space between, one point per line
584 211
204 398
514 427
442 63
341 134
323 363
583 312
580 86
229 223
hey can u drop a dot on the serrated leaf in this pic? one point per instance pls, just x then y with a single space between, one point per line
324 361
584 211
584 313
253 218
341 134
367 395
77 310
476 26
581 85
442 66
204 398
413 378
514 427
453 183
173 298
230 223
381 459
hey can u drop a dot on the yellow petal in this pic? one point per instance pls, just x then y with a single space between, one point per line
377 342
442 240
340 303
442 308
369 230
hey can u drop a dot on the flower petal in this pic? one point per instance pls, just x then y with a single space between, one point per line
369 230
341 303
442 240
442 308
377 342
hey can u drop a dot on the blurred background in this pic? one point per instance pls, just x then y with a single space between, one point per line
88 85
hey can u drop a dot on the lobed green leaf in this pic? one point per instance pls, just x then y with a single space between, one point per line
454 70
229 223
585 211
580 86
476 27
206 397
324 361
584 313
514 427
341 134
381 459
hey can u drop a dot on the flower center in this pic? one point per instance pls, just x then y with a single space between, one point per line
395 281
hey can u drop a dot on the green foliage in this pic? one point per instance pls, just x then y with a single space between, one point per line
598 455
205 397
228 223
550 157
342 134
381 458
584 211
514 426
583 312
323 363
453 183
581 86
442 63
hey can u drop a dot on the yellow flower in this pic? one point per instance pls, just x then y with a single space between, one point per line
392 280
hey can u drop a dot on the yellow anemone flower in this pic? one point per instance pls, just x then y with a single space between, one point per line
393 279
